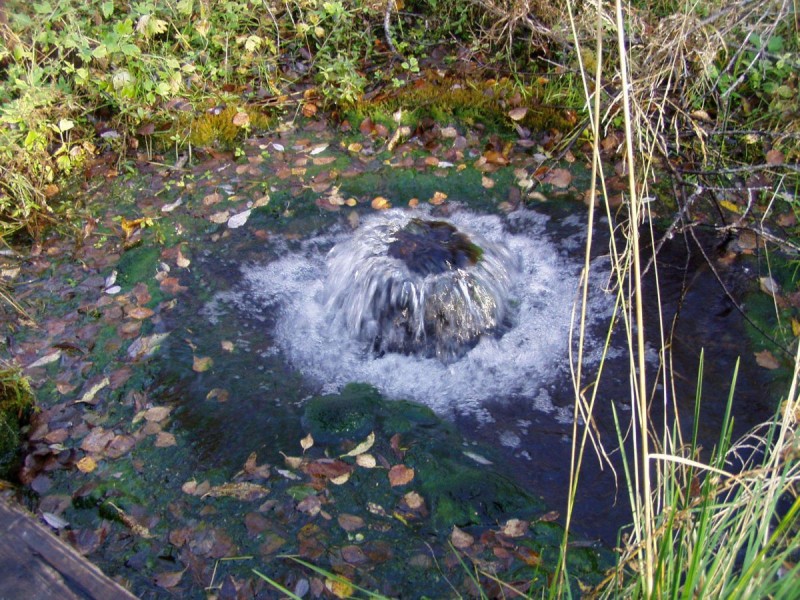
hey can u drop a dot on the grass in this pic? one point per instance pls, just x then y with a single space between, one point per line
727 527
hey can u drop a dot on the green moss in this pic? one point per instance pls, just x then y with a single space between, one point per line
348 415
16 402
138 264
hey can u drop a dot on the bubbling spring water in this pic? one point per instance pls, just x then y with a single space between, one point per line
481 315
418 286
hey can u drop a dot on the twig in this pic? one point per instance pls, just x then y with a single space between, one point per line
744 169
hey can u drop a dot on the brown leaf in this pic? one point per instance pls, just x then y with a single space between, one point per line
97 440
461 539
328 468
120 445
140 312
515 528
350 522
157 414
517 114
529 556
560 178
775 157
766 359
218 394
242 490
240 119
164 439
171 285
400 475
168 579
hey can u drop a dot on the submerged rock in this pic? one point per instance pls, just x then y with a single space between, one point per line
418 286
348 415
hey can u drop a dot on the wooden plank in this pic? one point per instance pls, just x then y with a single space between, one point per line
35 564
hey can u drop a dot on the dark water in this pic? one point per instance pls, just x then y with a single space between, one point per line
511 398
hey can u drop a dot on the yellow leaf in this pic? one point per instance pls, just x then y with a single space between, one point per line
795 327
340 587
362 447
438 198
366 461
86 465
380 203
731 206
202 363
241 490
307 442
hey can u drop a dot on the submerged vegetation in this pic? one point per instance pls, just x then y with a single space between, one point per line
693 108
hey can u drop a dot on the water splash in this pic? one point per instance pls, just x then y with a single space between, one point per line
530 360
416 286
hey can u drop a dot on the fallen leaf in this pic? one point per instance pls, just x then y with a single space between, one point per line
515 528
241 119
529 556
219 217
461 539
172 285
517 114
45 360
89 395
766 359
560 178
242 490
487 182
380 203
238 219
362 447
218 394
769 286
366 461
413 500
339 587
319 148
201 364
227 345
350 522
307 442
438 198
157 414
120 446
168 579
775 157
86 465
164 439
400 475
140 312
329 468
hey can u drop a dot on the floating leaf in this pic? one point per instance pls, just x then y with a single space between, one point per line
362 447
400 475
461 539
146 346
766 359
367 461
350 522
241 490
307 442
238 219
380 203
438 198
201 364
515 528
560 178
339 587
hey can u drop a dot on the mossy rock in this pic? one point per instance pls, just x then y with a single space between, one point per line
348 415
464 495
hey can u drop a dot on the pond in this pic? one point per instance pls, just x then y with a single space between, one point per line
242 333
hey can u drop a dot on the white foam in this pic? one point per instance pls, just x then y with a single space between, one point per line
519 366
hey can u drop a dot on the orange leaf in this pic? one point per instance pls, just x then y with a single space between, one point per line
400 475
